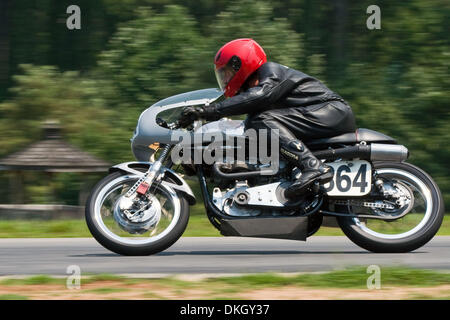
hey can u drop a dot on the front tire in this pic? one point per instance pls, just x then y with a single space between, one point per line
377 242
125 246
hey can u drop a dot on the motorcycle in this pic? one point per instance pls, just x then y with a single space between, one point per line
381 202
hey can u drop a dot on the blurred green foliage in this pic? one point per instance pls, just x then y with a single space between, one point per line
152 57
129 54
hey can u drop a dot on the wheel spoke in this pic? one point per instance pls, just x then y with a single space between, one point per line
165 205
417 213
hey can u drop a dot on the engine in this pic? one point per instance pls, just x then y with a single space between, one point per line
243 200
230 201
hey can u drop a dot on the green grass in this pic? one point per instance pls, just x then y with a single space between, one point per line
354 277
199 226
427 297
43 228
34 280
12 297
174 283
101 277
328 231
106 290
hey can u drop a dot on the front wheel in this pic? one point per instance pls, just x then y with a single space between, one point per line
149 231
420 212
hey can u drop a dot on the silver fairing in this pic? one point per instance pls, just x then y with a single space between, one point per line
148 131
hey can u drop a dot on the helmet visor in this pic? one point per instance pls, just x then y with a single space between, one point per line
224 76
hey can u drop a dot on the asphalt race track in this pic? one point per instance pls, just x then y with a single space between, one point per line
209 255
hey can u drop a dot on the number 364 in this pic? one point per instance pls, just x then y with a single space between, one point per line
343 181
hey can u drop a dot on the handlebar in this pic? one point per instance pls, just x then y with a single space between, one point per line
171 126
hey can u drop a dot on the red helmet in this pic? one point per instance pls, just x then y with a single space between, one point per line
235 62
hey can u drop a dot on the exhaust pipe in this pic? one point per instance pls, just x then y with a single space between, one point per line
388 152
373 152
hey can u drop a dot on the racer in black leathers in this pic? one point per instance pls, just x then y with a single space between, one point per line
299 106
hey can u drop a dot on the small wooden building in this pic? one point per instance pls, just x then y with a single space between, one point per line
51 155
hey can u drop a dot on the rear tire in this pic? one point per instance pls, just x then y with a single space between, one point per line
410 242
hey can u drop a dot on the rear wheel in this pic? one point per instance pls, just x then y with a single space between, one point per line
420 212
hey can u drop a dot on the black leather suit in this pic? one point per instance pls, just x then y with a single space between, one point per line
300 106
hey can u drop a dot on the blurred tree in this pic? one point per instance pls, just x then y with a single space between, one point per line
4 45
151 57
42 93
398 81
250 19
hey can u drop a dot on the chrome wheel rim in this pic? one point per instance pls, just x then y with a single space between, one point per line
420 188
104 220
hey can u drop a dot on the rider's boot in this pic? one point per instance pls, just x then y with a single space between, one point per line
312 169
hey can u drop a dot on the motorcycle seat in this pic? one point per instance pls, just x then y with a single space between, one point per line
361 134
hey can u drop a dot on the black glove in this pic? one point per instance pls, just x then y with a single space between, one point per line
190 114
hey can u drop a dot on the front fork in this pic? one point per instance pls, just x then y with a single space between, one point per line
142 186
152 174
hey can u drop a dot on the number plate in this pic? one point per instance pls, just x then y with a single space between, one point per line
351 178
